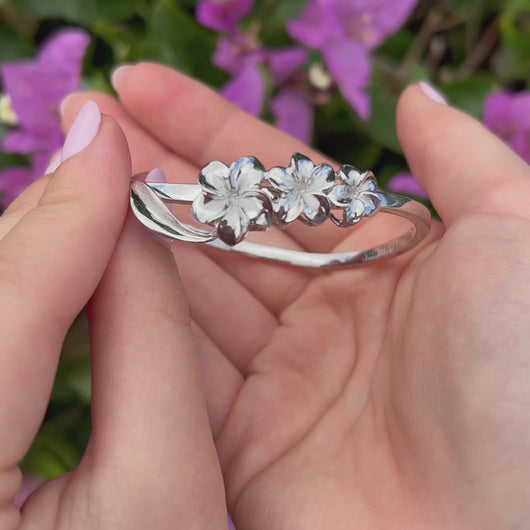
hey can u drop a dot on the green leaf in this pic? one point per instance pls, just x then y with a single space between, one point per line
515 36
470 93
382 124
79 11
50 456
177 39
13 45
84 12
115 10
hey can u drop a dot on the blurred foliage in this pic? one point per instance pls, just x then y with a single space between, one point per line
465 47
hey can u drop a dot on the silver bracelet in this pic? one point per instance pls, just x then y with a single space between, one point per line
234 200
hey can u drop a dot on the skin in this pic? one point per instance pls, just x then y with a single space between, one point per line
389 396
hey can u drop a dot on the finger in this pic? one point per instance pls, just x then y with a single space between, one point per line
26 201
234 320
50 263
200 125
222 380
464 168
275 287
151 436
146 151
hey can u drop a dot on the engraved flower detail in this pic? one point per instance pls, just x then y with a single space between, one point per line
231 199
299 191
355 195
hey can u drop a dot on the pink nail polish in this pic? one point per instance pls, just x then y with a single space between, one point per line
55 162
82 131
432 93
155 175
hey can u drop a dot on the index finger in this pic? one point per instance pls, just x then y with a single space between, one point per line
198 124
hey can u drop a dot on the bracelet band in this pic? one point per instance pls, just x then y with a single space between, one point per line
243 197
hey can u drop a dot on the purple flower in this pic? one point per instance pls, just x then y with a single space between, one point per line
404 182
508 116
345 31
13 181
246 89
248 63
293 114
222 15
35 89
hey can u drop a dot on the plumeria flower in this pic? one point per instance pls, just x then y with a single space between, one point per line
300 190
231 199
356 195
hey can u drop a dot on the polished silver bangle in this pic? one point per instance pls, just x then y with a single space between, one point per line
234 200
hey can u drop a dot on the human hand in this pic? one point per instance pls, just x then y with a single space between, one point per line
151 461
389 396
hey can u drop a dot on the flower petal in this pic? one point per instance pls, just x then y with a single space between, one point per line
213 178
284 62
316 208
258 209
280 178
246 174
340 195
293 114
290 206
208 209
322 178
233 226
302 168
404 182
371 202
351 175
222 16
246 89
348 62
354 211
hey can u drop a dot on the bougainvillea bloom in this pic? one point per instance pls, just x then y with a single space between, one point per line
508 116
35 90
222 15
345 31
404 182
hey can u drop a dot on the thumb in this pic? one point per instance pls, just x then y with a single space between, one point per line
463 167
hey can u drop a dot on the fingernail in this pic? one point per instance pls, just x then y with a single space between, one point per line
432 93
155 175
65 102
82 131
117 76
55 162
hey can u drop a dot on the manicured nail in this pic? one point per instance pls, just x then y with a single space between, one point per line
155 175
82 131
55 162
66 101
117 76
432 93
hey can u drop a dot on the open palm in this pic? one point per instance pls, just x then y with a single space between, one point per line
388 396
